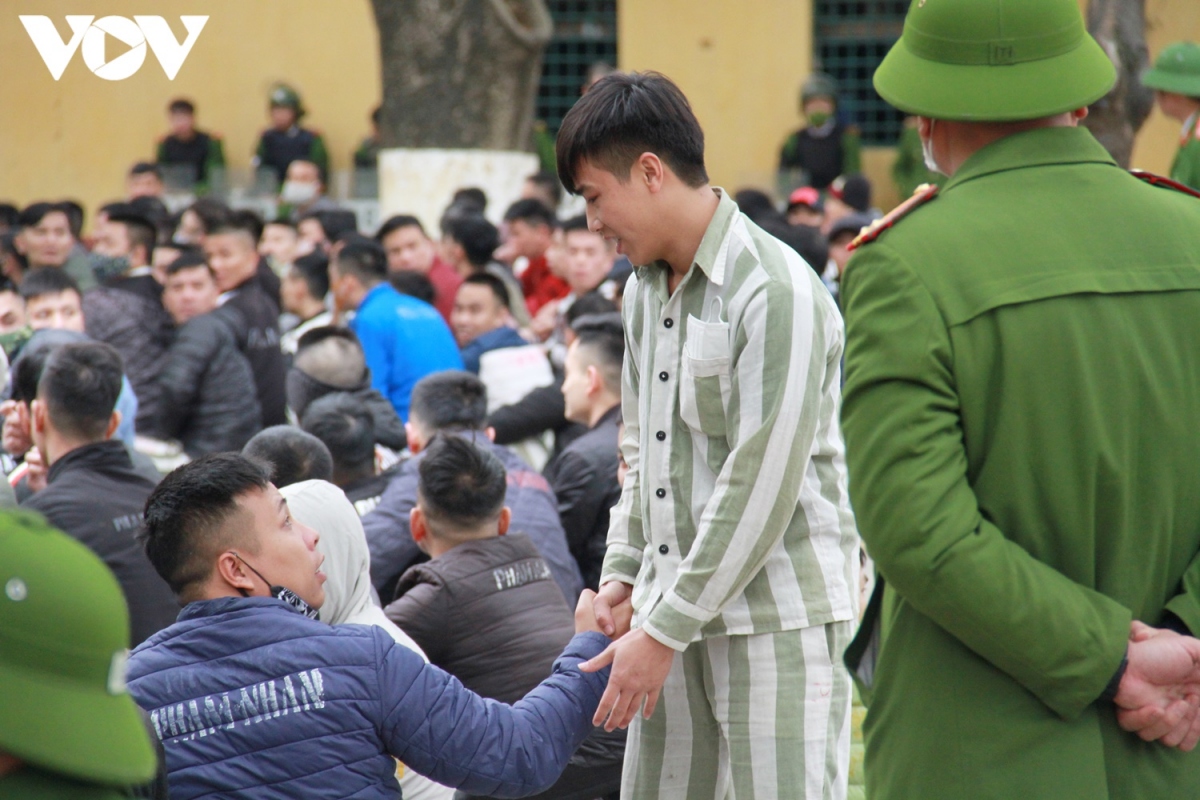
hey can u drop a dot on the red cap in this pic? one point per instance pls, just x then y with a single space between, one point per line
805 196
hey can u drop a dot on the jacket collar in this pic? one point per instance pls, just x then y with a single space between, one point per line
611 417
223 605
1037 148
91 457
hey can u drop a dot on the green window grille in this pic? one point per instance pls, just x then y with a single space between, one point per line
585 31
851 37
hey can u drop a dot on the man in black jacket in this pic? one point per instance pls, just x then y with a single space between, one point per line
584 477
485 608
208 395
126 310
93 492
232 253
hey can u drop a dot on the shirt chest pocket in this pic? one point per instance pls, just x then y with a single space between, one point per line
704 377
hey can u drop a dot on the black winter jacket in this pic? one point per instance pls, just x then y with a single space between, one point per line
127 313
95 495
256 329
209 399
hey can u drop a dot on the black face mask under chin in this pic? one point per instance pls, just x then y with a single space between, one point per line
282 593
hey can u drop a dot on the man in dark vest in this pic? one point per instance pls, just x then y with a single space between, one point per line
190 155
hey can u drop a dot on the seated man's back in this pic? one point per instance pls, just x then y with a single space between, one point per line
457 401
488 612
93 491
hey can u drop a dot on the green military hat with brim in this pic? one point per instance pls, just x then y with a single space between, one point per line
1177 70
994 61
64 644
818 85
284 96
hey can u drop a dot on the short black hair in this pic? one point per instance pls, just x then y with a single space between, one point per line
9 215
189 260
281 221
27 368
332 355
477 237
181 106
471 196
74 211
238 224
334 222
211 212
544 179
605 349
313 269
184 519
757 205
499 290
145 168
364 260
588 305
530 211
290 455
346 427
80 385
452 400
8 247
249 220
806 240
33 214
460 484
395 223
624 115
47 280
140 230
578 223
413 284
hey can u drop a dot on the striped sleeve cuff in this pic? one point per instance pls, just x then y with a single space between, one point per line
621 563
675 622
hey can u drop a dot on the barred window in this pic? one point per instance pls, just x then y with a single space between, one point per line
585 31
850 39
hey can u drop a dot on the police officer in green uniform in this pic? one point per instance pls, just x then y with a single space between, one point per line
1175 80
823 149
285 141
68 728
1020 412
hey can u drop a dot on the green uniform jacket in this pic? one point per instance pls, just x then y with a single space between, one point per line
28 783
1022 421
1186 169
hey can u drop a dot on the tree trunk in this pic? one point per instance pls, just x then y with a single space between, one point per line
460 73
1120 28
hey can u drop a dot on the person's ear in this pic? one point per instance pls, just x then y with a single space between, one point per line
649 169
1080 114
491 433
505 520
37 417
924 127
414 438
594 382
233 572
417 526
114 422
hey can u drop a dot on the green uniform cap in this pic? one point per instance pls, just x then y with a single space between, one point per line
818 85
64 642
1177 70
994 61
284 96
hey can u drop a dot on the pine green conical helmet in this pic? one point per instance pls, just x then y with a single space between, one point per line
1177 70
994 60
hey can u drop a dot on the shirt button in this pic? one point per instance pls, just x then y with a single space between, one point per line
662 548
660 493
661 436
668 322
662 376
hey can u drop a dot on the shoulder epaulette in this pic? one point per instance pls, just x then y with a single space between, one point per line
920 197
1167 183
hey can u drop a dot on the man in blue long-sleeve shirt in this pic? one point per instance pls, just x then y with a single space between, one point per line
253 698
403 338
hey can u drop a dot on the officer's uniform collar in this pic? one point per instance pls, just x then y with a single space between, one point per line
1036 148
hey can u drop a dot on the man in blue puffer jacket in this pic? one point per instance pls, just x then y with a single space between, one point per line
253 698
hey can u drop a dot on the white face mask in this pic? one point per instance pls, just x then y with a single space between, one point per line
927 150
295 192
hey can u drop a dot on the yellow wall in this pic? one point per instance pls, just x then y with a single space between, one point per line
740 64
77 137
1167 21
